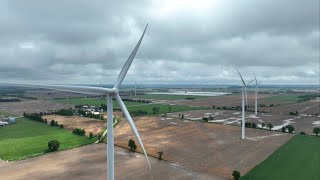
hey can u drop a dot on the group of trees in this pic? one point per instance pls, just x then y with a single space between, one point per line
53 145
79 131
138 113
56 124
65 112
288 128
89 114
35 117
155 110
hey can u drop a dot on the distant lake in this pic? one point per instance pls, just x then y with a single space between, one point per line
191 93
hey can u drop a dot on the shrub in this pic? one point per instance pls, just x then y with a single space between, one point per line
160 153
52 123
91 135
283 129
79 131
132 145
236 175
316 131
254 125
53 145
56 124
61 126
302 133
290 128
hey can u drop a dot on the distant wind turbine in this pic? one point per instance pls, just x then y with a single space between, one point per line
111 93
256 95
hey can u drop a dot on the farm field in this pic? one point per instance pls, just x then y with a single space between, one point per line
297 159
88 124
231 117
34 106
28 138
204 147
167 97
164 108
93 102
90 162
282 98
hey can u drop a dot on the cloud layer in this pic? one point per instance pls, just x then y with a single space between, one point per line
80 41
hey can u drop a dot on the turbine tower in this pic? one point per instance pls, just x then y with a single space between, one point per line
256 95
111 93
244 93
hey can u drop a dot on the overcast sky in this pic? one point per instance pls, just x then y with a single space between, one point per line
187 41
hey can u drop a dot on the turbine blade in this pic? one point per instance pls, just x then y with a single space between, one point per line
74 89
127 65
240 76
131 123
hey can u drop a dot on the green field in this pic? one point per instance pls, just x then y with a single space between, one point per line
286 98
29 138
298 159
167 97
164 108
92 102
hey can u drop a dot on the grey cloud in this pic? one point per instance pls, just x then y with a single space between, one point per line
78 41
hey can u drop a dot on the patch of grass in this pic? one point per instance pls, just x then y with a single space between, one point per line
5 114
298 159
93 102
28 138
168 97
164 108
287 98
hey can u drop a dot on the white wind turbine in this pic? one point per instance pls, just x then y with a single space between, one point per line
256 95
111 93
244 104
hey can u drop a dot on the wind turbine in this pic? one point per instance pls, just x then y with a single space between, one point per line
111 93
256 95
244 93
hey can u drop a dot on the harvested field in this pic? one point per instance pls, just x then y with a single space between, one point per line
18 108
308 107
300 123
71 122
89 162
203 147
229 101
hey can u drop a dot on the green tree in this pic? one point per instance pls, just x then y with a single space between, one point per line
283 129
160 153
169 108
61 126
262 125
52 123
236 175
91 135
132 145
316 131
302 133
290 128
53 145
270 126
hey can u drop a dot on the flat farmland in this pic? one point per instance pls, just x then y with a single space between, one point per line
28 138
229 117
285 164
307 107
93 102
34 106
71 122
203 147
166 97
90 162
228 100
